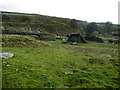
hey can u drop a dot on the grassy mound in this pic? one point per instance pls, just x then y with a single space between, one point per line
20 40
89 65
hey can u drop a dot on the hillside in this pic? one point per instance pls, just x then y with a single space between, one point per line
33 23
18 22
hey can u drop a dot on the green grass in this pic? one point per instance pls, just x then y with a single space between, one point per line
90 65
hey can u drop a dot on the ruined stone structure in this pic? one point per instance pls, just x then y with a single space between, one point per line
94 38
76 38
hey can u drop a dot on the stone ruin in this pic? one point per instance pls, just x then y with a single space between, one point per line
74 39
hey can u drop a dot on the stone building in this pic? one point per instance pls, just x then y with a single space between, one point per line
76 38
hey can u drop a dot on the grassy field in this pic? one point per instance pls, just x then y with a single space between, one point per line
90 65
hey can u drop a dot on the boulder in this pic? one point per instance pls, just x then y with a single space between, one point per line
6 55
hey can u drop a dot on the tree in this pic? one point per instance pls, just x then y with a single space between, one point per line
91 27
108 28
73 23
95 33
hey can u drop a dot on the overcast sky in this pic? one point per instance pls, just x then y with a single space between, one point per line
86 10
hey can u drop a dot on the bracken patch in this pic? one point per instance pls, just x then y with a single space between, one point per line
20 41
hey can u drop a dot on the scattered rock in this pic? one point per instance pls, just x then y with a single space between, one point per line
6 55
7 65
71 72
64 41
108 56
73 43
106 41
16 70
4 62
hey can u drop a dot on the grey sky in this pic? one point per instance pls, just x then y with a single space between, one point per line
86 10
